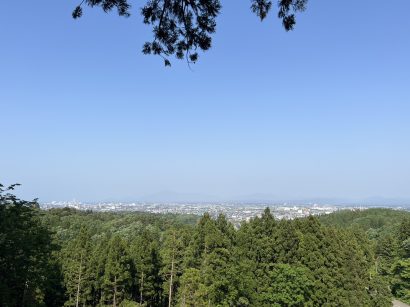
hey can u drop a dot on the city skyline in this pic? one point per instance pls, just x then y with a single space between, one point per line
169 197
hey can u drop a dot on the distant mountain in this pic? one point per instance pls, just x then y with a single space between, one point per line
256 198
369 201
336 201
384 201
170 196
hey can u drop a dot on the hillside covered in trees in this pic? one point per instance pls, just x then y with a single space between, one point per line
64 257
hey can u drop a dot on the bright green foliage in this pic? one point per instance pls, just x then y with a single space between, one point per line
404 230
400 270
287 286
127 303
129 259
117 277
76 264
172 257
335 263
192 292
386 249
210 252
380 295
145 254
389 232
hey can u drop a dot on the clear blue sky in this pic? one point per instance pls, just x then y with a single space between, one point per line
323 111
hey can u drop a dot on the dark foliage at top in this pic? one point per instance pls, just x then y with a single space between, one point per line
183 27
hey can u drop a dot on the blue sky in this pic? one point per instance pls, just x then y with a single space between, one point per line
323 111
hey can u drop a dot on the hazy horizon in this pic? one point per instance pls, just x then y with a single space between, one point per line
172 196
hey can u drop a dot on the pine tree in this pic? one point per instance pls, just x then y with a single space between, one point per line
288 285
192 291
145 253
172 258
76 257
117 277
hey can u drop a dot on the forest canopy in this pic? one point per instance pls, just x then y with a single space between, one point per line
66 257
181 28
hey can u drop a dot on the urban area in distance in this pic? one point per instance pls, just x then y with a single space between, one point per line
235 212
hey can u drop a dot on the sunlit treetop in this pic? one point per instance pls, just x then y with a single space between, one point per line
181 28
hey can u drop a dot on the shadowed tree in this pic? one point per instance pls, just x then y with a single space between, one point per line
25 253
181 28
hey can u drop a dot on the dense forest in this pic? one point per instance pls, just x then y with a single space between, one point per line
65 257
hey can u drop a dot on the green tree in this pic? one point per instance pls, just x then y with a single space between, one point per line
192 291
76 261
117 277
386 253
144 252
131 257
401 279
95 270
25 251
217 262
172 258
379 292
289 285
